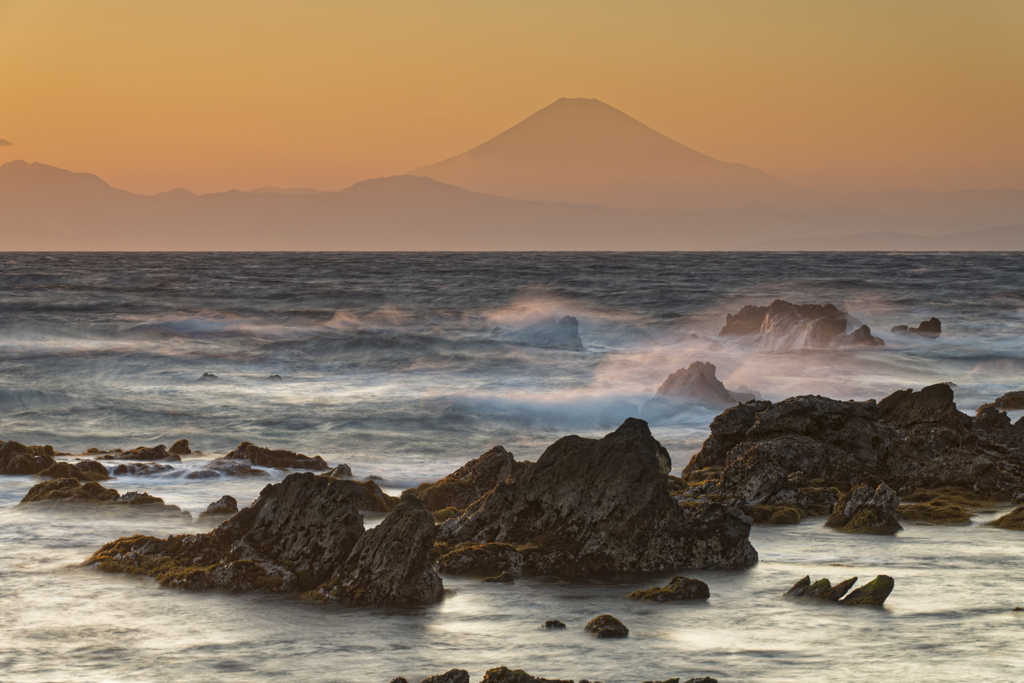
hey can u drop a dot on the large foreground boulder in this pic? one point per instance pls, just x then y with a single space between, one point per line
16 458
782 326
467 484
596 506
281 459
71 493
390 564
694 385
800 451
297 536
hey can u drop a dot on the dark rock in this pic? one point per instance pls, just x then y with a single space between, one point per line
144 454
83 470
575 512
208 377
340 472
693 385
61 493
142 469
799 588
399 680
782 325
606 626
390 564
464 486
374 498
453 676
553 623
1011 400
18 459
504 577
503 674
872 593
219 510
280 459
679 588
869 508
1013 520
702 679
223 467
296 536
180 447
930 328
276 378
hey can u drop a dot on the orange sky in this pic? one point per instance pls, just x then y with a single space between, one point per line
212 95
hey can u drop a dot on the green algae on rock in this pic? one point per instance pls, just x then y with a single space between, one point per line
869 508
677 589
1013 520
83 470
606 626
18 459
62 493
872 593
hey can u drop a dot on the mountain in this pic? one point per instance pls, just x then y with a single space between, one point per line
584 151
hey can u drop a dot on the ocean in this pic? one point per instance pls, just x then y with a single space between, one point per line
405 366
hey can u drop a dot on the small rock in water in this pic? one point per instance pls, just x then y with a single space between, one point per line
452 676
276 378
504 577
679 588
702 679
180 447
555 623
931 329
1017 609
606 626
279 459
227 505
208 376
872 593
799 588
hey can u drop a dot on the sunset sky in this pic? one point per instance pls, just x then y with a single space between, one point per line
213 95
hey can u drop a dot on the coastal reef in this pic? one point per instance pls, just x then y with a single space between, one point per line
18 459
591 507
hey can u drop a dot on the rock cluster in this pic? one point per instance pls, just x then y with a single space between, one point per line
143 454
930 328
808 451
693 385
466 485
280 459
591 507
873 593
83 470
222 467
503 674
302 535
678 588
16 458
59 493
782 325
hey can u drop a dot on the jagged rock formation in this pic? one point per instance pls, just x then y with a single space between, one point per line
872 593
61 493
390 564
930 328
218 510
464 486
869 508
143 454
1011 400
180 447
83 470
280 459
782 326
16 458
304 534
374 499
806 450
590 507
606 626
340 472
679 588
693 385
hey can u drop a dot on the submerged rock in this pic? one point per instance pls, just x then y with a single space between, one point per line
16 458
930 328
280 459
83 470
466 485
679 588
143 469
390 564
869 508
59 493
1013 520
591 507
874 593
223 467
553 624
782 325
693 385
219 510
606 626
208 377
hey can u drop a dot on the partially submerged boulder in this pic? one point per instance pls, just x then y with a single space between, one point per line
140 469
451 676
390 564
280 459
16 458
606 626
782 326
869 508
576 512
1013 520
679 588
219 510
872 593
63 493
465 485
180 447
930 328
83 470
694 385
222 467
143 454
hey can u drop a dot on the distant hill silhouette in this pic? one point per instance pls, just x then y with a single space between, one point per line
47 208
584 151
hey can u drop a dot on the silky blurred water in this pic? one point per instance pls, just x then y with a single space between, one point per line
391 363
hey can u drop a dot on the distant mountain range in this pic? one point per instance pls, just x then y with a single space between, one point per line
577 175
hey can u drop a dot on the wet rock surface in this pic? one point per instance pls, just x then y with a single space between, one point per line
222 467
280 459
869 508
374 499
606 626
873 593
144 469
930 328
1013 520
83 470
143 454
679 588
452 676
466 485
219 510
180 447
340 472
576 512
66 493
806 451
784 325
695 384
18 459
